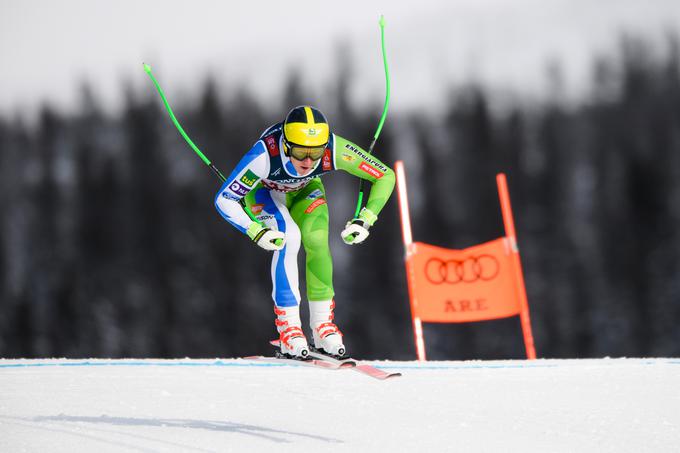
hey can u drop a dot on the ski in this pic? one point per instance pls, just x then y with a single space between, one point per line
341 363
346 361
374 372
319 358
316 363
368 370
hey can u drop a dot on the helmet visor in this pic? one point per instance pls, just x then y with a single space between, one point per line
303 152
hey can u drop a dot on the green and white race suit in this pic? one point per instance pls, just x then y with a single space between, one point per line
296 205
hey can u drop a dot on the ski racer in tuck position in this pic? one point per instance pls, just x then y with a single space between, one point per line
278 180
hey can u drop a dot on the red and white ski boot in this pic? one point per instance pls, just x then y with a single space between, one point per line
288 324
327 336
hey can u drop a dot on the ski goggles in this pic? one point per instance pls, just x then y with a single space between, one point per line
303 152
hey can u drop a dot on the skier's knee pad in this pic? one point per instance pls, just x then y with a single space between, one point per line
293 237
316 241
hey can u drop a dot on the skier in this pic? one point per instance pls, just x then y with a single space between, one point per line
278 181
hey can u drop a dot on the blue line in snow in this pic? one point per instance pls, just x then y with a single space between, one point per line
139 364
245 364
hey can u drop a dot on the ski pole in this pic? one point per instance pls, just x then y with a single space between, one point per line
219 174
384 113
215 170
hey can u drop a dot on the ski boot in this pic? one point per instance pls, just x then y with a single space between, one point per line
327 336
293 342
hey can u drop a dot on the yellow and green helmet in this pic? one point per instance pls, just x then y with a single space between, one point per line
305 126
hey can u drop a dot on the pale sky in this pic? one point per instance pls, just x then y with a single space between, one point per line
47 48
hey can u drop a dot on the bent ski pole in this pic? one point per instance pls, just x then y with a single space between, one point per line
215 170
384 113
219 174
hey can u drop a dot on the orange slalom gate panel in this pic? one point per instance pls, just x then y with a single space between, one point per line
473 284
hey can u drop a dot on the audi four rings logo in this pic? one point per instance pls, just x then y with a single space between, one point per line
471 269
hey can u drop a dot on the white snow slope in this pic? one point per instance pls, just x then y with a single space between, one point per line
609 405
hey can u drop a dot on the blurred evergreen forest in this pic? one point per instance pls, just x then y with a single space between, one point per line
111 246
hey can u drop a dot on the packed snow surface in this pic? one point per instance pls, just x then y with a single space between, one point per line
608 405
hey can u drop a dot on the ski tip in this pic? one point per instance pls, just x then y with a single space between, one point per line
382 21
147 68
386 376
374 372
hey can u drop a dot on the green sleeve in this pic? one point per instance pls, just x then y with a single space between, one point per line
354 160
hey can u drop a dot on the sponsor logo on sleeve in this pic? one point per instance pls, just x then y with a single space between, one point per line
230 196
249 178
371 170
348 157
315 204
256 208
315 194
367 158
238 188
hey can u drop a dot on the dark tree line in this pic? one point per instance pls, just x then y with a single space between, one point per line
111 247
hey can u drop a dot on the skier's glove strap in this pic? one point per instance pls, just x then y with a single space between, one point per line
367 216
266 238
356 230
